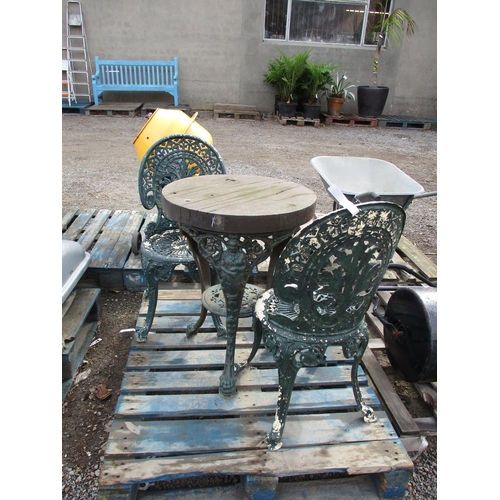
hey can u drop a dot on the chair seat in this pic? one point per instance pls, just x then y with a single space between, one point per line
169 246
213 299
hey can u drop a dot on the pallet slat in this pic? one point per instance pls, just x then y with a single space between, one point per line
375 456
135 382
77 227
419 260
94 228
244 403
67 217
138 438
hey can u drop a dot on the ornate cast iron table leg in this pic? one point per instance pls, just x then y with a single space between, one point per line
233 256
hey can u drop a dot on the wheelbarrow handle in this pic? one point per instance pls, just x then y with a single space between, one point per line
425 194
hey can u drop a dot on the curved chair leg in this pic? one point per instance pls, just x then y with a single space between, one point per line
152 294
257 337
153 276
287 372
368 414
193 271
192 328
221 329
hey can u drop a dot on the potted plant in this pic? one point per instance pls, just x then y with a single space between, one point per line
314 81
391 28
338 93
283 74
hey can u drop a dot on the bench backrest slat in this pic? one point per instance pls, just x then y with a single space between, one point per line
127 74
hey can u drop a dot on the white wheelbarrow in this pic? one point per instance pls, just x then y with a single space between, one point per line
367 179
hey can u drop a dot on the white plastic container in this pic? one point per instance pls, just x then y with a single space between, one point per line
75 261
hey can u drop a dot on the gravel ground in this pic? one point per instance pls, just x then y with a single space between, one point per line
99 170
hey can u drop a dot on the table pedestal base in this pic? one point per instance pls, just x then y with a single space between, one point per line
233 256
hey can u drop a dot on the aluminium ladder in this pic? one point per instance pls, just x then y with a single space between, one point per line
77 55
68 92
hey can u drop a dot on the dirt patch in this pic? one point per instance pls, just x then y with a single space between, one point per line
100 169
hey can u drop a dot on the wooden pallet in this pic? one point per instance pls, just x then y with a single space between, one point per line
171 423
407 122
236 111
115 108
81 312
107 236
150 107
299 121
349 120
75 108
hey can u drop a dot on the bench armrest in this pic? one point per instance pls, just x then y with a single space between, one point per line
96 75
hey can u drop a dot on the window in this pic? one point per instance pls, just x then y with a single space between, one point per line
334 21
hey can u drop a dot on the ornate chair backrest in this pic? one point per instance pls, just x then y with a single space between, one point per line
171 158
329 271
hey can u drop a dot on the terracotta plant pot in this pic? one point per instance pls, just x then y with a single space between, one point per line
335 105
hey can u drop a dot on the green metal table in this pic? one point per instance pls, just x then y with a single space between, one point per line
234 222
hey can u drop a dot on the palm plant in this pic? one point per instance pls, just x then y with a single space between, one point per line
316 79
391 27
285 72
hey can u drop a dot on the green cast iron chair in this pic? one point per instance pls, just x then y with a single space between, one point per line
324 282
164 247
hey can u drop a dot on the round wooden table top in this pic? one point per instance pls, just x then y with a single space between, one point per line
238 203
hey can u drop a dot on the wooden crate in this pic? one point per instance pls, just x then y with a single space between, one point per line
171 423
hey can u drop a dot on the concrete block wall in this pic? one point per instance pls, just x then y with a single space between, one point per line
223 57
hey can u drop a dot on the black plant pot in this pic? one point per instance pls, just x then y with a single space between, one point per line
371 100
312 111
287 108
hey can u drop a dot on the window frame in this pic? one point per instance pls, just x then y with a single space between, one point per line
365 4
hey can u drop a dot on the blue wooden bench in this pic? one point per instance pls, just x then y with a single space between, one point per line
146 76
